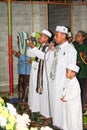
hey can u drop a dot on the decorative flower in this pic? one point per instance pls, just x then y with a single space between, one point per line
11 109
22 122
33 128
7 120
42 128
2 102
11 120
85 118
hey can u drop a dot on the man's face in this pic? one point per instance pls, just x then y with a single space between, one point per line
43 38
59 37
79 38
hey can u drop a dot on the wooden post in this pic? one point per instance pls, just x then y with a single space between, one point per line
10 59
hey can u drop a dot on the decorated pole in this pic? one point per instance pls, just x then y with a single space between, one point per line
10 59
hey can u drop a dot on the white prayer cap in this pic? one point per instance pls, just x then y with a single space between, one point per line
46 32
73 67
33 34
62 29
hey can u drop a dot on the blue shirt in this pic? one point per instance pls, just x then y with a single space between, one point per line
23 65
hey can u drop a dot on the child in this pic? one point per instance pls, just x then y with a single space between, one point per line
23 66
72 100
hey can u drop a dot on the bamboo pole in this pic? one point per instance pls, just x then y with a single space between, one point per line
10 59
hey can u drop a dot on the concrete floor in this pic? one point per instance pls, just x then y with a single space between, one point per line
7 93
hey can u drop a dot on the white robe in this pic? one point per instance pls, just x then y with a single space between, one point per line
40 102
66 55
32 88
73 107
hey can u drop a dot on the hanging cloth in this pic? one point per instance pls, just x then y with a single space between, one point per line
22 43
54 64
39 88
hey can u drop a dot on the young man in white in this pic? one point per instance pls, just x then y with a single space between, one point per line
64 54
72 100
39 91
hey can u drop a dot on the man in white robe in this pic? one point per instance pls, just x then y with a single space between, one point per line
72 100
40 102
33 75
63 55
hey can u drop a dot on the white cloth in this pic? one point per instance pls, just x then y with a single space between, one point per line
73 107
66 55
40 102
32 88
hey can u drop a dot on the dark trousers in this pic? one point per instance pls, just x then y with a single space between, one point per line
83 85
23 87
85 92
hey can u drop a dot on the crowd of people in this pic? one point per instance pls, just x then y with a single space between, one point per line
52 72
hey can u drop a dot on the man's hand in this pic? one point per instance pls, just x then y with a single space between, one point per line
15 53
62 99
29 61
52 47
30 44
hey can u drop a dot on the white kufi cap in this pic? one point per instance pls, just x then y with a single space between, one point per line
62 29
73 67
33 34
46 32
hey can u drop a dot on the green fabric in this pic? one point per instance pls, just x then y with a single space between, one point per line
38 44
83 67
37 35
33 58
